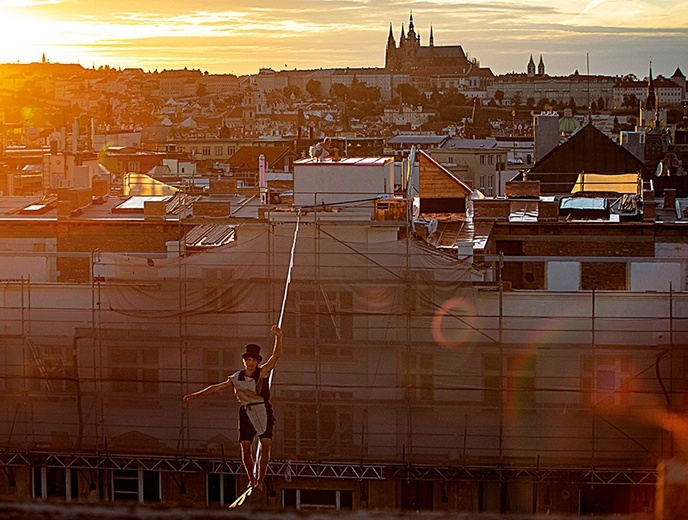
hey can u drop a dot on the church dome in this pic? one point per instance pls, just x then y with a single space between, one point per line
568 124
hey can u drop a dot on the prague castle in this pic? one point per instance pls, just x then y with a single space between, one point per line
431 66
410 55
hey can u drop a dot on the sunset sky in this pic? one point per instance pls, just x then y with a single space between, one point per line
241 36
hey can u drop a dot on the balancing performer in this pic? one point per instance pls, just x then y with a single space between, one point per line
252 390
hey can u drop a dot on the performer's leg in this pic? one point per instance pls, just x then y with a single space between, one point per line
263 460
247 458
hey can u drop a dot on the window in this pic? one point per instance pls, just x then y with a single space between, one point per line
482 159
605 380
317 499
218 150
520 380
58 483
420 379
136 485
51 369
450 160
218 365
491 159
219 289
491 375
419 292
220 488
206 150
230 150
307 432
134 370
325 313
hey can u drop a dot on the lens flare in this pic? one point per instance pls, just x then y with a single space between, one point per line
453 324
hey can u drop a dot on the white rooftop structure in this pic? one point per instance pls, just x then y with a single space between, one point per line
345 181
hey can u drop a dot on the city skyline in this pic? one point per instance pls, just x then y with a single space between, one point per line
240 37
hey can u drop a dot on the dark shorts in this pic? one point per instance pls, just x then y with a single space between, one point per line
246 429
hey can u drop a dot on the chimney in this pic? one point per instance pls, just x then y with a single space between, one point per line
75 137
649 205
491 209
154 209
669 198
262 166
546 134
522 189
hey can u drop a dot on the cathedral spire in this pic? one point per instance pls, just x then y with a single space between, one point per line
531 67
541 67
411 21
403 35
432 38
651 100
390 38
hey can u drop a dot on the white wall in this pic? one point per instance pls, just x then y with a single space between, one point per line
563 276
340 182
656 276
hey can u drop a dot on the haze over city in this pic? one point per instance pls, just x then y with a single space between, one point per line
240 37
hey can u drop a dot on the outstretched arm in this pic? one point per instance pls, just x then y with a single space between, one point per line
276 352
209 390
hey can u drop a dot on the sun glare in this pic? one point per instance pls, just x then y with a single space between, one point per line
16 40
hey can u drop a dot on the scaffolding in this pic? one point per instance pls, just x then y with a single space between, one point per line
393 358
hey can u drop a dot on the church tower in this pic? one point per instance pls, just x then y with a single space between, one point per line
391 50
412 37
531 67
432 40
651 99
541 67
409 47
680 79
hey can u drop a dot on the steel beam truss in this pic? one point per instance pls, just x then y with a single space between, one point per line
277 468
301 469
541 475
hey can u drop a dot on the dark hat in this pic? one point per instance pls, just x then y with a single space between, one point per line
252 350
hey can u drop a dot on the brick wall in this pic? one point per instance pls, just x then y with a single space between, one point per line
78 197
223 186
154 209
548 210
604 276
522 189
592 246
212 208
436 184
491 209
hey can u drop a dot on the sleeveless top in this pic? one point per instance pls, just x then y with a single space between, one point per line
251 390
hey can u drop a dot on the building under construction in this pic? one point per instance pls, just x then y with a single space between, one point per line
414 376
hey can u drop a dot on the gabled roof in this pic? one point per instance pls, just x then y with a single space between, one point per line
430 166
588 150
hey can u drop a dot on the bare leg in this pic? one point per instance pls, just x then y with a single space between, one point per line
263 460
247 458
